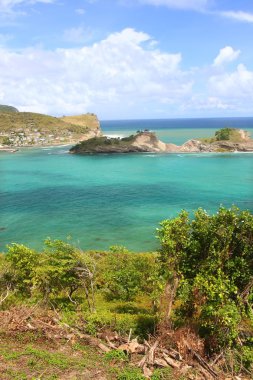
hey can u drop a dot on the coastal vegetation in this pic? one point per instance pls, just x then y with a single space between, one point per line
105 144
228 134
192 299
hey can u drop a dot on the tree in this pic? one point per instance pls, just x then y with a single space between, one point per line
124 274
208 264
21 263
64 269
174 239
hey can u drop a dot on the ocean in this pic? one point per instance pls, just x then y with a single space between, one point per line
97 201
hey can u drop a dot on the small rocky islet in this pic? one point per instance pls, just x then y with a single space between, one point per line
225 140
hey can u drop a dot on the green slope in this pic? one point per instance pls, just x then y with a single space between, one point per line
45 123
4 108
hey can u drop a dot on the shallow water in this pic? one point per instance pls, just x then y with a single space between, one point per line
103 200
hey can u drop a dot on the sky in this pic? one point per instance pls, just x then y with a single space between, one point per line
128 59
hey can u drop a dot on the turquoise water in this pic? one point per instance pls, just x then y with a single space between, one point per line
103 200
176 131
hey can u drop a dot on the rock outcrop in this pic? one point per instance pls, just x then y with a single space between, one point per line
192 146
147 142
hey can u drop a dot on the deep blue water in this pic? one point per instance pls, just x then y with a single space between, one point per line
104 200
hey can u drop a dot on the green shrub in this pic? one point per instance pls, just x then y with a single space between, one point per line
131 374
116 355
207 263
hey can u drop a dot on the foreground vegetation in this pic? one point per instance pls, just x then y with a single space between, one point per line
194 296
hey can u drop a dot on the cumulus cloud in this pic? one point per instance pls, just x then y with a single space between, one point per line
238 16
122 76
197 5
121 72
226 54
239 83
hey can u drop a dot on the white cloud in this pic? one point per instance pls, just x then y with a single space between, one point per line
122 76
238 16
7 6
226 54
238 84
208 103
197 5
118 75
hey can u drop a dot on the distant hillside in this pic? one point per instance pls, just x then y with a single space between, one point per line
8 109
87 120
26 128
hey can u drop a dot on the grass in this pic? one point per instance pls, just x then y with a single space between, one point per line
9 109
28 120
43 359
46 360
224 134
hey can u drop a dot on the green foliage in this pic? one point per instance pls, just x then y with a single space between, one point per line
223 134
20 268
141 324
63 269
162 374
125 274
56 271
99 143
6 141
116 355
131 374
212 256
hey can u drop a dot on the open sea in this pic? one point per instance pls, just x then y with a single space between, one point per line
104 200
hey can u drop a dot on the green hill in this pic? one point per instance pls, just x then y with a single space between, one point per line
8 109
27 128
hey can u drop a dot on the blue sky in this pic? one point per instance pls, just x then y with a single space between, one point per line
127 59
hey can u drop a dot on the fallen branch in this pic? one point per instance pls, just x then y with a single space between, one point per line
4 296
111 345
173 363
202 362
91 340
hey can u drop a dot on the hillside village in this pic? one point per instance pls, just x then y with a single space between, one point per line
22 129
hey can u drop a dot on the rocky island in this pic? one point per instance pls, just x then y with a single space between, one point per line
225 140
23 129
141 142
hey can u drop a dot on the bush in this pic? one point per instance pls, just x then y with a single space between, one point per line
208 265
125 274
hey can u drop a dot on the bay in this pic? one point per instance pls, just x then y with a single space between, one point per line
104 200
